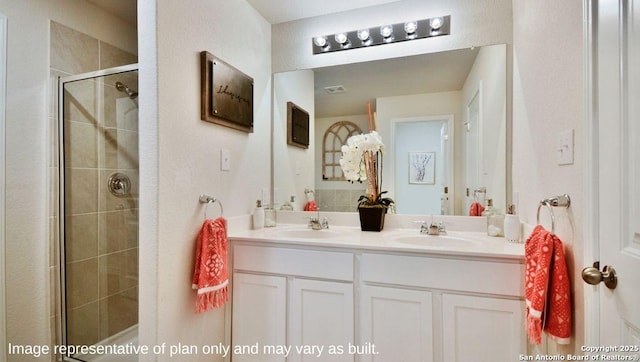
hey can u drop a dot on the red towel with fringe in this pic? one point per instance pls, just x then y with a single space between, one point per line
476 209
211 277
547 289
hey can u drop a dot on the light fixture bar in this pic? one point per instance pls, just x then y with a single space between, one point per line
378 35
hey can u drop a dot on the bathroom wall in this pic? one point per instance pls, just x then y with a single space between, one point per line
28 144
548 86
180 155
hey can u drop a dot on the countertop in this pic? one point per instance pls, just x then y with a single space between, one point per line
467 244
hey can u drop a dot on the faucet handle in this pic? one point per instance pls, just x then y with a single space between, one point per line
325 222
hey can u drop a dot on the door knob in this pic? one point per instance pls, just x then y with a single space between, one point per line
592 275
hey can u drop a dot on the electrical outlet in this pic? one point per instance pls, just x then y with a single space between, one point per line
225 160
564 148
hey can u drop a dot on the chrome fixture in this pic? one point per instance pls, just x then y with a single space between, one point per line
119 184
385 34
121 87
433 228
557 201
208 200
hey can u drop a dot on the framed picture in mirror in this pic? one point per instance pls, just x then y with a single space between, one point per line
422 168
297 126
227 94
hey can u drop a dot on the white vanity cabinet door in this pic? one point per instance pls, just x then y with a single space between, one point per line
398 322
482 328
321 315
259 313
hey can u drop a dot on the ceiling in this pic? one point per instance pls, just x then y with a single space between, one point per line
124 9
280 11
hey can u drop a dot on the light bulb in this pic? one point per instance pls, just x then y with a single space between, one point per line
320 41
410 27
341 38
386 31
363 34
436 23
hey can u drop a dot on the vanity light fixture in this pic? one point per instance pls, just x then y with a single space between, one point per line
385 34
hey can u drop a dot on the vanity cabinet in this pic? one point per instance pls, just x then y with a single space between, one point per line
426 308
292 297
394 305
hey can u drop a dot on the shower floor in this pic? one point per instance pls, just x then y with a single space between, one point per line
125 337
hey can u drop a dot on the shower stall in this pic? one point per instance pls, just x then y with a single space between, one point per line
98 216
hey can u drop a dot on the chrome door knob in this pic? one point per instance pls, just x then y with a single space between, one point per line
592 275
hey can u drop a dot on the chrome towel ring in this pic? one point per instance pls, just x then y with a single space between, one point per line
208 200
558 201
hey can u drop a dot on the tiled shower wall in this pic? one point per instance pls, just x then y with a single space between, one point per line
102 245
338 200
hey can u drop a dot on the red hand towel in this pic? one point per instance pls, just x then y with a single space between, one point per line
311 206
547 289
211 276
476 209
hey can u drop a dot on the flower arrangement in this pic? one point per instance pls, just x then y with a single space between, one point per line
362 162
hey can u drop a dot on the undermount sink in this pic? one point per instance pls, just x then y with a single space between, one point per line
303 233
437 241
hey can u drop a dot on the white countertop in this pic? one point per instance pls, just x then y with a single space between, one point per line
466 244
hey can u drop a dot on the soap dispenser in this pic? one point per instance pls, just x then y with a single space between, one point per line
258 216
495 220
512 225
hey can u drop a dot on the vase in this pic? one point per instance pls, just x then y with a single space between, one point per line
372 217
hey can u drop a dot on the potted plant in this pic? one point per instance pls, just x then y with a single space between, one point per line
362 162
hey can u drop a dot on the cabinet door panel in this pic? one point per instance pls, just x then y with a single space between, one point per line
259 313
398 322
482 328
321 315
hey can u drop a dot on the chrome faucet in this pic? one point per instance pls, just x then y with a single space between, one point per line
432 228
316 224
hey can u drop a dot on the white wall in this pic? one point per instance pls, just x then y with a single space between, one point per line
489 74
548 87
28 144
295 165
182 161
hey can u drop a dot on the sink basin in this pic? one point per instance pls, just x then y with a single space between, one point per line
436 241
303 233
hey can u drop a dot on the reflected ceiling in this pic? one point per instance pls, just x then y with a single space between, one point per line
281 11
363 82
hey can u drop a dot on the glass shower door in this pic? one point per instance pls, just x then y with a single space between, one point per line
99 207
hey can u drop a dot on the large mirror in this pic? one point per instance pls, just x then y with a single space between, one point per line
449 108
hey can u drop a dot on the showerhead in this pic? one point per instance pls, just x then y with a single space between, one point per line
123 88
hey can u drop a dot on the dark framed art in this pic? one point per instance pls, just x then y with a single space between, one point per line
297 126
227 94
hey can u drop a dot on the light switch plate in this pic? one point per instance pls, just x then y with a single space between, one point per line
564 147
225 160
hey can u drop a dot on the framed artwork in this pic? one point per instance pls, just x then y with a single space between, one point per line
297 126
227 94
422 168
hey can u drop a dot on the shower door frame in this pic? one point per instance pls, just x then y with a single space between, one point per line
62 330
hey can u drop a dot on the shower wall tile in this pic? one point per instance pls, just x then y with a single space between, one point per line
82 237
82 282
118 312
80 102
118 272
111 56
72 51
118 230
81 190
83 145
83 324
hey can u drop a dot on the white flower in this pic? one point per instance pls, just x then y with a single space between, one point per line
352 162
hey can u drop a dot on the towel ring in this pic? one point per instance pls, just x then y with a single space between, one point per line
208 200
562 201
